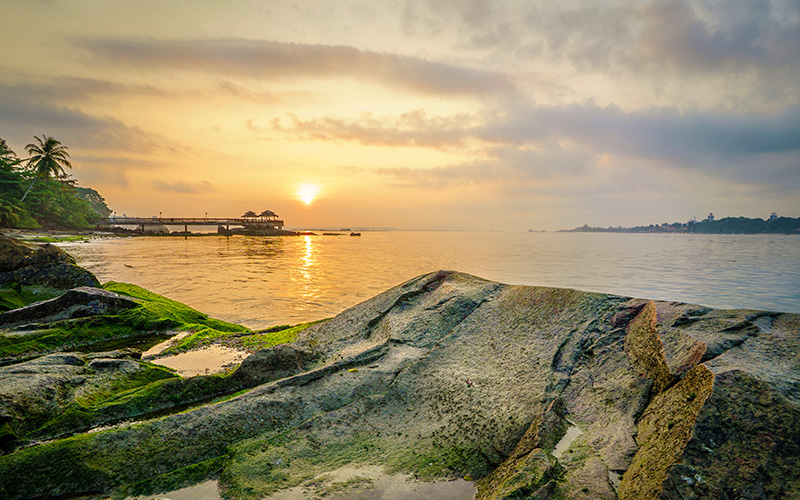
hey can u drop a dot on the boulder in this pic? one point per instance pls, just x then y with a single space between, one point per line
16 254
76 303
47 265
155 229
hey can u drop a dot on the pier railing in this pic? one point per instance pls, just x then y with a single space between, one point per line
191 221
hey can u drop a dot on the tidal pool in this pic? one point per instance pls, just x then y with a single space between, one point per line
366 483
205 361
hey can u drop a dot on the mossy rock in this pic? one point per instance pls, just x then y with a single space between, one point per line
445 376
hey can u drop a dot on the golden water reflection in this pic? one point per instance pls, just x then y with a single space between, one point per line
261 282
308 272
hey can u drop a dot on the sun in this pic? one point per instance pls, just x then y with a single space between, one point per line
307 193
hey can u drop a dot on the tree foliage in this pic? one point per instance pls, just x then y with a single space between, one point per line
38 192
48 157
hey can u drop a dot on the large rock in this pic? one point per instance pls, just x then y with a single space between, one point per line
47 265
35 391
538 392
75 303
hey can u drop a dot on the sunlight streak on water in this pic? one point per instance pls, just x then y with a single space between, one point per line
261 282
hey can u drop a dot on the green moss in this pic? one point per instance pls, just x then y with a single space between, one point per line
65 459
262 466
13 296
274 336
158 306
91 407
154 314
56 239
428 462
174 480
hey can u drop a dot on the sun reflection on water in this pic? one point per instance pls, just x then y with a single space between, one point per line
308 258
308 272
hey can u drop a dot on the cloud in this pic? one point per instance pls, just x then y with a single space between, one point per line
665 133
745 34
103 149
411 129
66 88
758 40
182 187
541 142
502 166
110 169
27 116
275 61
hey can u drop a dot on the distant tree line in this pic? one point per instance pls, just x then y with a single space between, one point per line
37 192
727 225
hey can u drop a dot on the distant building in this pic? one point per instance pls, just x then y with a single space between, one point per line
773 216
710 217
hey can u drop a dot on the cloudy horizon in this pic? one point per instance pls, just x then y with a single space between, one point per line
450 114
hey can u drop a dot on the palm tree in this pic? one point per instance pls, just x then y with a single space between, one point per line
48 157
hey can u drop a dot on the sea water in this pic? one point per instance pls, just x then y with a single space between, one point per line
266 281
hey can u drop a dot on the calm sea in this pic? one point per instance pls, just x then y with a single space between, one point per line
261 282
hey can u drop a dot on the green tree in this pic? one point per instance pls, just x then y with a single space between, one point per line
10 186
49 157
95 199
9 212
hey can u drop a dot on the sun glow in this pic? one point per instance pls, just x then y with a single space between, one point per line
307 193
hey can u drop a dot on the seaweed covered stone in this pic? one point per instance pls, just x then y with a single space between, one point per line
47 265
76 303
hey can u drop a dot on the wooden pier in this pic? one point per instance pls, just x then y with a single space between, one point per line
250 224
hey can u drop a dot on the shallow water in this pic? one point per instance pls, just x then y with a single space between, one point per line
262 282
206 361
565 442
384 487
207 490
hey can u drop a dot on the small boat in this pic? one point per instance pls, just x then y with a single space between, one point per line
355 234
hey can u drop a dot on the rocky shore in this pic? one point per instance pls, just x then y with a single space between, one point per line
531 392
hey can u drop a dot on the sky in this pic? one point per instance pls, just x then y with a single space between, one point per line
420 114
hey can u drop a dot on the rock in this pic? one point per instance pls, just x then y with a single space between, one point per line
449 375
16 254
75 303
155 229
45 265
62 276
271 364
113 365
35 391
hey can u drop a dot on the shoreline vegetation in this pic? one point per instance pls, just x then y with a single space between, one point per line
529 392
727 225
36 192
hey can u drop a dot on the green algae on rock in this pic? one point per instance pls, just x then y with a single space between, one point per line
149 314
449 375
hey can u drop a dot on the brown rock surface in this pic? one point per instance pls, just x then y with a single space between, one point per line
451 375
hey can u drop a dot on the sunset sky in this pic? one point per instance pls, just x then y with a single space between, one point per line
503 115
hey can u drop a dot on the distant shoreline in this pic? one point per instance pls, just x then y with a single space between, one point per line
727 225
